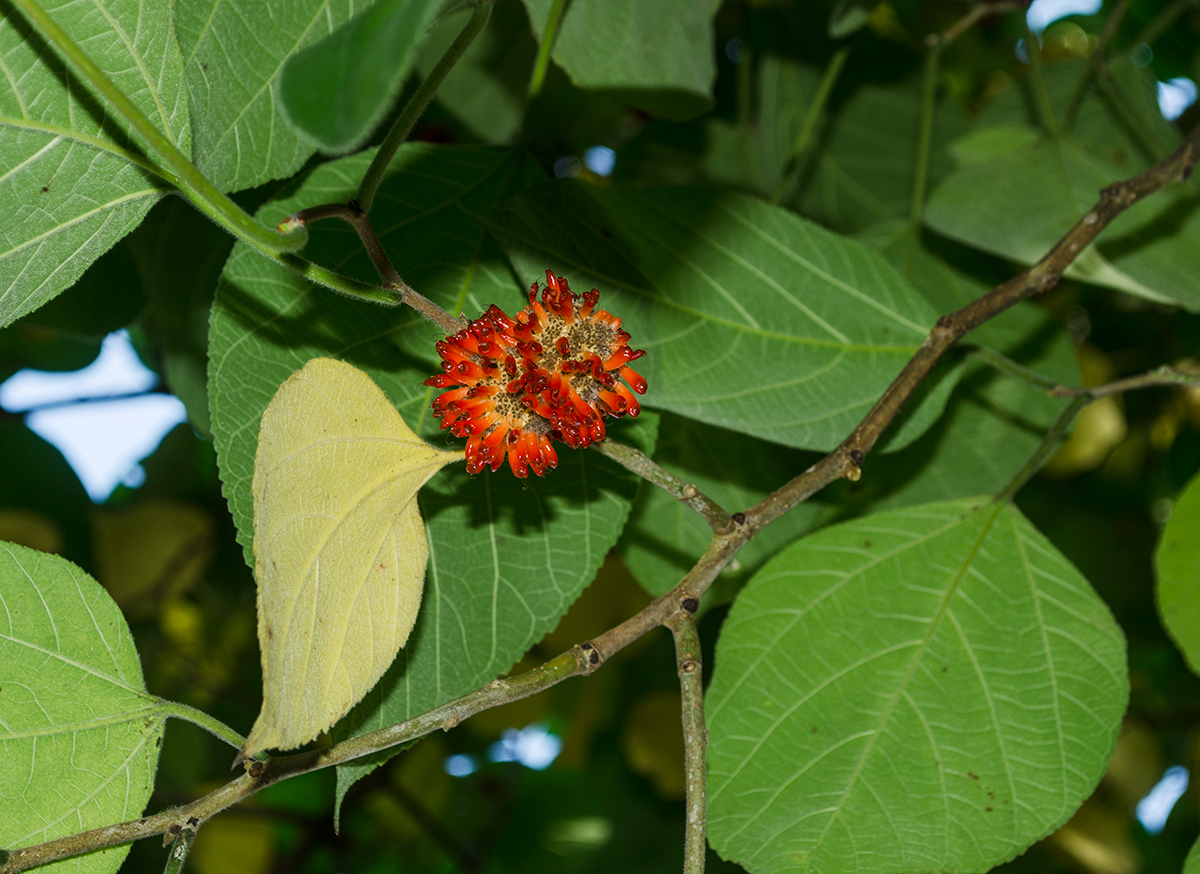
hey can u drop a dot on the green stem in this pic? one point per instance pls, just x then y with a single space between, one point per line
416 105
190 181
933 58
178 849
1045 107
791 174
1007 366
1160 24
543 56
202 719
1045 448
1096 64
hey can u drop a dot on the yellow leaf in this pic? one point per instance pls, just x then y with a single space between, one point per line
339 547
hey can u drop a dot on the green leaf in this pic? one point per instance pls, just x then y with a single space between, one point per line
657 56
336 90
487 88
862 167
79 732
75 180
1177 562
507 557
1192 864
924 689
664 538
753 319
1036 193
849 16
233 53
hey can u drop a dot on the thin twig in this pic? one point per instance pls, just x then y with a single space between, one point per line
1164 375
412 110
353 214
843 462
683 491
689 665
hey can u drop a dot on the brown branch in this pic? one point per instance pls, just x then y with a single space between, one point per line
689 665
352 214
683 491
583 659
848 458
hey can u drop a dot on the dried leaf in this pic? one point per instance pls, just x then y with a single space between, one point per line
339 546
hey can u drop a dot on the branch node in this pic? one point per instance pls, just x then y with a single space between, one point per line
689 491
689 666
452 720
856 456
854 473
690 605
255 768
738 519
592 658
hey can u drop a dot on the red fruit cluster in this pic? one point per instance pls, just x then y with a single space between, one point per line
518 384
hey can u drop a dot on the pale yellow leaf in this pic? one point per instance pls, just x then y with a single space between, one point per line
339 546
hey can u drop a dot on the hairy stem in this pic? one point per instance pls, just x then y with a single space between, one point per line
689 665
416 105
843 462
543 56
357 218
190 181
791 172
202 719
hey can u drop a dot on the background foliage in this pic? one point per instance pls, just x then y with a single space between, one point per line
912 646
